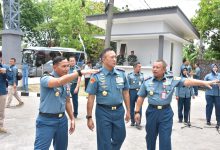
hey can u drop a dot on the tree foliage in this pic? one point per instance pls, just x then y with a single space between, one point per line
31 17
207 20
59 23
190 52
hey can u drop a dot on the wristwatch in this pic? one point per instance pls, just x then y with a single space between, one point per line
88 117
136 112
79 73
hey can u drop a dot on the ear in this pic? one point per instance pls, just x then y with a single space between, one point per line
54 67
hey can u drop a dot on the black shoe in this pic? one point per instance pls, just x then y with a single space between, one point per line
132 124
208 123
138 126
217 125
180 121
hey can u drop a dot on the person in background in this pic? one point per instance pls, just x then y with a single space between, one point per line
183 96
12 84
87 77
3 95
186 64
196 75
135 79
213 95
75 84
132 58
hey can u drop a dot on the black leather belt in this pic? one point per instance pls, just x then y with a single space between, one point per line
137 89
49 115
159 106
111 107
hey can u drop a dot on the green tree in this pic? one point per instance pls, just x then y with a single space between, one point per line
31 16
207 20
190 52
68 20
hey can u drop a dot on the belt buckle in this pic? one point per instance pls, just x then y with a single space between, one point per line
137 89
60 115
114 107
159 107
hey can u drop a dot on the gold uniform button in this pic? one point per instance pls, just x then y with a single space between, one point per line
57 93
151 93
104 93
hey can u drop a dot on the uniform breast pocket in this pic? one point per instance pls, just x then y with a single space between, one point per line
103 87
120 86
169 88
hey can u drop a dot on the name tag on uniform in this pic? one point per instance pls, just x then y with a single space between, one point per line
163 95
119 80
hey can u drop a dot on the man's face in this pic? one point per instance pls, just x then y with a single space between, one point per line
137 68
62 68
11 62
72 61
158 69
109 59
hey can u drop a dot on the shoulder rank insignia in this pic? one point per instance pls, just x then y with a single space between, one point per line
147 78
46 73
120 69
177 78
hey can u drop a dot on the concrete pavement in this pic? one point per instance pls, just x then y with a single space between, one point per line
20 123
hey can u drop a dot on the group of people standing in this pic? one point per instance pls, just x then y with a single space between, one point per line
8 89
111 87
212 96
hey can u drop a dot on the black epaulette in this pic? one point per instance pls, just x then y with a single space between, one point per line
120 69
46 73
147 78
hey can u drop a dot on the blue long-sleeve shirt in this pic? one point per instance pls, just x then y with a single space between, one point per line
215 91
184 91
12 71
3 78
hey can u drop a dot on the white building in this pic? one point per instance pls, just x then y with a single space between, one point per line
152 34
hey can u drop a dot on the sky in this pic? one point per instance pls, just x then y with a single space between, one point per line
187 6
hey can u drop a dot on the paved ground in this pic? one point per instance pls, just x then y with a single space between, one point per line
20 122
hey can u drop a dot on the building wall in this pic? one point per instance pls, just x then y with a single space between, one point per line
177 59
138 27
146 51
143 27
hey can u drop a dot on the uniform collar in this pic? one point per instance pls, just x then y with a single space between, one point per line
106 71
163 79
136 73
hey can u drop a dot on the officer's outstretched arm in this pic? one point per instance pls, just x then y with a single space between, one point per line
54 82
90 104
194 82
